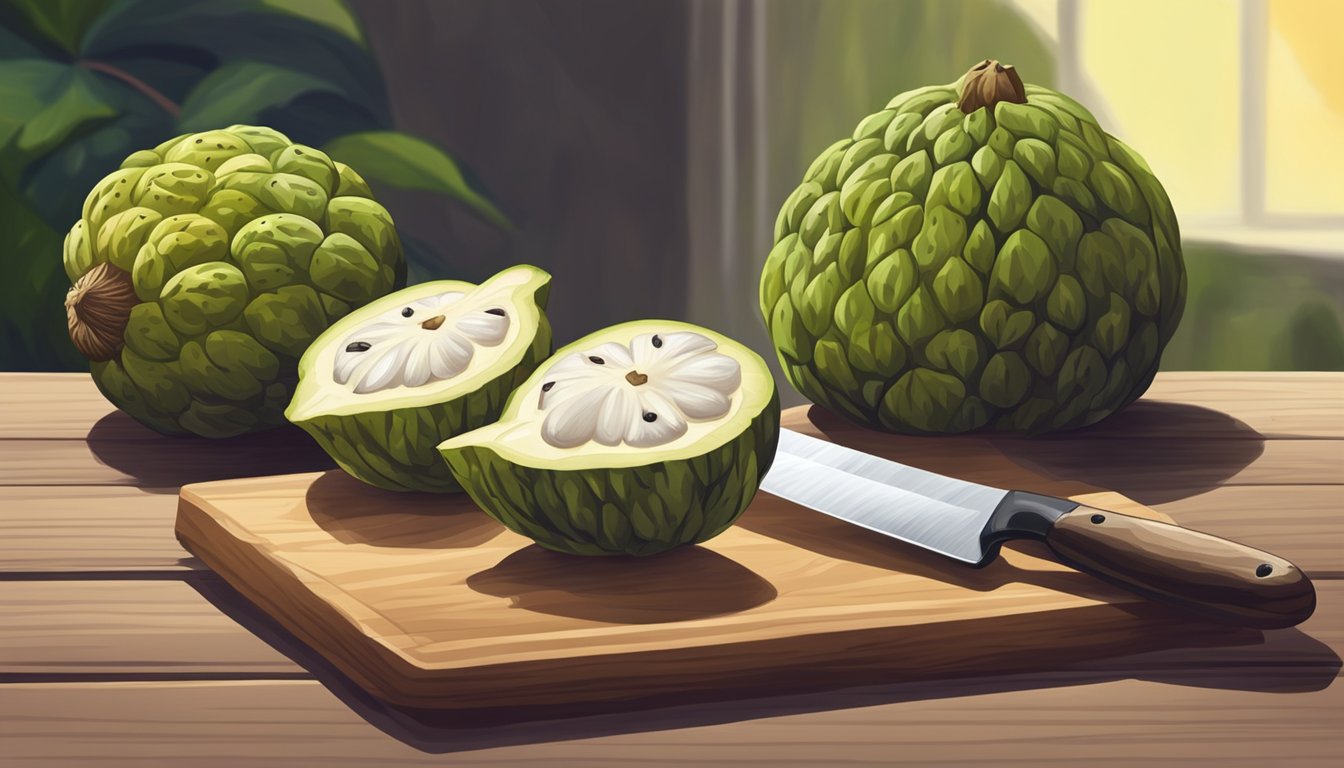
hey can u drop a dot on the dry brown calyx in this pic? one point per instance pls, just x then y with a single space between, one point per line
97 309
636 378
988 83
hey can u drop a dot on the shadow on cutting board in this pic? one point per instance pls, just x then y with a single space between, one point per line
1169 651
687 583
161 464
355 513
1153 452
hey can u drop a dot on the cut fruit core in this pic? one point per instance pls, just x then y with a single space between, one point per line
644 394
430 339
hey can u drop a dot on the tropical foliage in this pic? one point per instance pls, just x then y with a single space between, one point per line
84 83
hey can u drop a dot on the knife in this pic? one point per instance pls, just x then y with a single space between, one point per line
965 521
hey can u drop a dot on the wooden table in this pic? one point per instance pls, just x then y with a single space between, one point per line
116 648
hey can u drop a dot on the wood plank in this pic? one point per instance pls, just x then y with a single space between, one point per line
1296 404
130 629
1272 403
435 605
53 405
1302 523
389 598
46 528
202 628
1150 470
157 462
1248 717
123 528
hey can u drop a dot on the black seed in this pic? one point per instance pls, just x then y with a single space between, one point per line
547 386
657 342
1098 519
219 146
407 312
207 159
298 151
497 312
273 183
1263 570
357 346
650 417
596 359
198 141
119 195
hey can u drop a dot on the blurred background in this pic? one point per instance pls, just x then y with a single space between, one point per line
640 150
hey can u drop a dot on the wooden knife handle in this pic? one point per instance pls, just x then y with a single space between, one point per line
1215 577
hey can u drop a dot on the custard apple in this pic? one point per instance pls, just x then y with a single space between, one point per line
381 388
980 255
203 268
632 440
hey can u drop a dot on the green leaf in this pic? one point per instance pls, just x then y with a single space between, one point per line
61 21
404 161
238 92
32 316
24 85
333 14
76 108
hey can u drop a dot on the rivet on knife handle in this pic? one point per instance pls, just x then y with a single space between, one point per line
1215 577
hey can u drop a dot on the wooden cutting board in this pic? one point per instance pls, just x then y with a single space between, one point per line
427 603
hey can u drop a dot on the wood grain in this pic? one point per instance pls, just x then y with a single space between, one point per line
432 597
1201 573
133 629
105 515
83 529
45 528
203 629
1226 718
157 462
1149 469
1274 404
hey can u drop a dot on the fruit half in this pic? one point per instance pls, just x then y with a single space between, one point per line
382 387
633 440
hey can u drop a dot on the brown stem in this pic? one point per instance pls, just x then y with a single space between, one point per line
988 83
156 96
97 309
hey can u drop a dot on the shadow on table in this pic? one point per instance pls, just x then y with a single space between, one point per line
1152 452
161 463
1174 652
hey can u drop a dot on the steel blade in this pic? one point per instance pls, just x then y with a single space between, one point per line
950 529
960 493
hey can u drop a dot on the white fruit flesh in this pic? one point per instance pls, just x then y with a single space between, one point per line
643 394
703 388
430 339
453 339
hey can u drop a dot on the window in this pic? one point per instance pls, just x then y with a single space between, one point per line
1236 104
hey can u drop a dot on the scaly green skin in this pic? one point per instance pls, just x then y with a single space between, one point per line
631 511
1012 269
398 449
236 273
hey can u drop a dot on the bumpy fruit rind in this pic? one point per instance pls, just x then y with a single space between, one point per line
1014 268
647 502
242 246
392 444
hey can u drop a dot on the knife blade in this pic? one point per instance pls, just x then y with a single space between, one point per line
968 522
